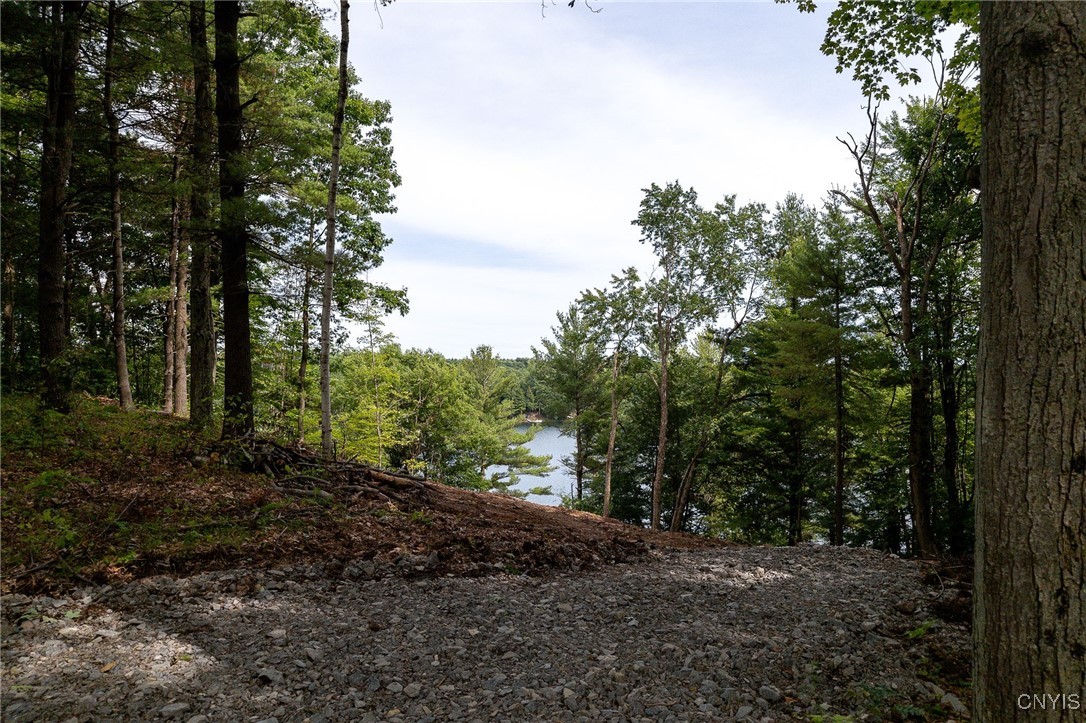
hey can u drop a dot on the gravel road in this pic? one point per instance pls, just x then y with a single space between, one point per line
758 634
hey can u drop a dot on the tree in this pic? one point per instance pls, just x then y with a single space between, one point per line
120 353
202 382
330 235
570 365
616 312
233 233
1030 609
694 275
61 64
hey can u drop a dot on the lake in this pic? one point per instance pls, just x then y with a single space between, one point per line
548 440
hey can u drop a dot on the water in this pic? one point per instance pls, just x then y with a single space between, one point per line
548 440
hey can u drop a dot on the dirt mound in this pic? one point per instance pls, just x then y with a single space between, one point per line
103 496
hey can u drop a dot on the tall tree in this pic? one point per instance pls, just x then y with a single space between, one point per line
692 276
202 381
569 368
1030 610
616 312
124 388
330 235
233 232
61 68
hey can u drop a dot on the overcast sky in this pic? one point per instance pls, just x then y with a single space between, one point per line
525 141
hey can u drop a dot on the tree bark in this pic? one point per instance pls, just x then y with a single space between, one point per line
181 320
170 329
611 437
661 438
838 533
56 162
920 457
233 232
120 350
950 402
330 238
1030 609
202 382
307 288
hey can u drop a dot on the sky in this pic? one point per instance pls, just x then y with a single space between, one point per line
525 137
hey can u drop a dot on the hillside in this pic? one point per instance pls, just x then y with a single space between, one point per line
371 596
102 496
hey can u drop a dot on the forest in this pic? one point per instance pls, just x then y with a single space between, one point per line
192 196
788 371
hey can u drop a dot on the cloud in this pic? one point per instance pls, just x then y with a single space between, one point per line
524 143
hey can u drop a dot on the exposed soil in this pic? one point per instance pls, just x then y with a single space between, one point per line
108 497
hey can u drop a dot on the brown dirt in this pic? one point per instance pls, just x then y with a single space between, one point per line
132 496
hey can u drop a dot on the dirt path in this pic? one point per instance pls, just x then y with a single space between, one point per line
723 634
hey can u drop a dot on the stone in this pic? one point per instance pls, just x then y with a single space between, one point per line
770 693
952 702
174 709
269 676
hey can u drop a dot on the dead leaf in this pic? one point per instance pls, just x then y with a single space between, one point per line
109 666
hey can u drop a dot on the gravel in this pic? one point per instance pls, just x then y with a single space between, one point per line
758 634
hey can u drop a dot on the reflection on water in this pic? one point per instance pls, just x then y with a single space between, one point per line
548 440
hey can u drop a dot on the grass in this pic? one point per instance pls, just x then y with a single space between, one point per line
101 494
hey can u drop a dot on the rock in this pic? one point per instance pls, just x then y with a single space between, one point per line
952 702
269 676
174 709
744 711
201 718
53 648
277 634
770 693
412 690
394 687
565 608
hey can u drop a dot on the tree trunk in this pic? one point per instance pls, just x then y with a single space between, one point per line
579 451
661 439
202 392
1030 609
120 351
233 241
611 437
838 534
181 322
797 479
920 458
170 330
330 238
950 402
682 496
56 162
307 288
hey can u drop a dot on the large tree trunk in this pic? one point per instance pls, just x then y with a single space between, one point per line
1030 608
330 238
202 322
56 162
233 241
120 352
